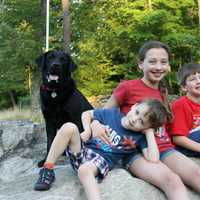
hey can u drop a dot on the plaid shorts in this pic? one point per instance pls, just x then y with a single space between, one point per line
88 155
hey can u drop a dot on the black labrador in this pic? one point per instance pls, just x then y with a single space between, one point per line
61 101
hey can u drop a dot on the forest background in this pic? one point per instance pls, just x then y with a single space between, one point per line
105 38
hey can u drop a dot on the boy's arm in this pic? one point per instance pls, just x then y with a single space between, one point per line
151 153
98 129
186 142
181 125
86 118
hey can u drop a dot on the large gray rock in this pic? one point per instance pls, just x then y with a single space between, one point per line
20 138
14 167
118 185
22 144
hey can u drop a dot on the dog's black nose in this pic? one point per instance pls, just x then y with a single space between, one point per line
55 68
55 65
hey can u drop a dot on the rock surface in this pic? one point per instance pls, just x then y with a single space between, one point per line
119 185
18 172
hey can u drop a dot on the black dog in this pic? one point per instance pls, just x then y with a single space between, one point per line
61 101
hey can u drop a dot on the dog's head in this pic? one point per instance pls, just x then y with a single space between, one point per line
56 66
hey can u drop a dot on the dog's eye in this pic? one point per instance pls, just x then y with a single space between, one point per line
63 58
51 56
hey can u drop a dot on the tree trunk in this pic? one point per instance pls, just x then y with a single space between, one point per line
36 75
66 26
149 4
12 98
199 11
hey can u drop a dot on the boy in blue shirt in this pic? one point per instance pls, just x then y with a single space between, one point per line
92 158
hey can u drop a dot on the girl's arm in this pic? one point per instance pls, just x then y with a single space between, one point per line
151 153
186 142
112 102
99 130
86 118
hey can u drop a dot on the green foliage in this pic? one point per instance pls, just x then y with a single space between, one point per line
111 32
105 38
18 47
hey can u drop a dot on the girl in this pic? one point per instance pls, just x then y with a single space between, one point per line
154 59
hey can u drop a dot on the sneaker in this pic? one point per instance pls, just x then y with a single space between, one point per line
47 177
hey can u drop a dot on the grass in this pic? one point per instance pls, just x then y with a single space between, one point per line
20 114
24 113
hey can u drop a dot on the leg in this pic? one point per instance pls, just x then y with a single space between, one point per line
67 135
161 176
50 134
187 169
86 174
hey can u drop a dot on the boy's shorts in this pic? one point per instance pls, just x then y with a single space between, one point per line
88 155
128 160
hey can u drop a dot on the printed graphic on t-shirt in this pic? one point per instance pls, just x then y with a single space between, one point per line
195 123
161 134
128 143
117 141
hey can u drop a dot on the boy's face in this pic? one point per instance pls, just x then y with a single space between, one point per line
192 85
137 118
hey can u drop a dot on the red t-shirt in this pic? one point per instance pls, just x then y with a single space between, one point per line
186 117
130 92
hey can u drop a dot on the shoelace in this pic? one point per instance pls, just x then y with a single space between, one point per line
46 176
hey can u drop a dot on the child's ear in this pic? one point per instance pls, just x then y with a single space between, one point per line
140 66
183 89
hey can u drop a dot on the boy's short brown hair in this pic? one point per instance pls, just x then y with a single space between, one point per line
157 113
186 70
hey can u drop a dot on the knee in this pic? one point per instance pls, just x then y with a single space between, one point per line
173 181
83 172
195 175
68 128
196 172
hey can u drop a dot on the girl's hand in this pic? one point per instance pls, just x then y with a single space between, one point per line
100 131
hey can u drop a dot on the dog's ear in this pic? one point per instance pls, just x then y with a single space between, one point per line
72 66
40 61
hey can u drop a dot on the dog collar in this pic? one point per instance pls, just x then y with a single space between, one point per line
52 90
56 90
44 87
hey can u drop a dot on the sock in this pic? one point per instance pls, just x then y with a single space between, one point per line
48 165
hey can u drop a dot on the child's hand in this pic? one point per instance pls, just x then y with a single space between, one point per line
149 131
85 135
100 131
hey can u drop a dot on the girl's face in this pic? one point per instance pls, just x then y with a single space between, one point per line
155 66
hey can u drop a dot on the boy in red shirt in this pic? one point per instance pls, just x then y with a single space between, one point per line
185 128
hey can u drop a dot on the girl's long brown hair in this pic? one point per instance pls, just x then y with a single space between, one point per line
162 85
